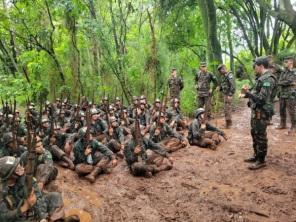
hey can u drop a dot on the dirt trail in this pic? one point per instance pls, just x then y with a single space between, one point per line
204 185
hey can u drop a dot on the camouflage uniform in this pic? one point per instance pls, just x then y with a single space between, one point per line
287 95
261 104
48 205
115 141
93 164
227 87
199 137
170 139
175 85
143 163
203 82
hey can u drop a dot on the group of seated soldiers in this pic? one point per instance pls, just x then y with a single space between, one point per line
91 139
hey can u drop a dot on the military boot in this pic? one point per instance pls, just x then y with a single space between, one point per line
251 159
260 162
283 125
92 176
69 162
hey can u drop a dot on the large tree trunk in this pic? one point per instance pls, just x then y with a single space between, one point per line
209 18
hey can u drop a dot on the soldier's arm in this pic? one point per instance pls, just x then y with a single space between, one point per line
40 207
264 93
153 137
156 147
129 155
173 133
104 126
210 127
232 84
103 149
78 150
6 214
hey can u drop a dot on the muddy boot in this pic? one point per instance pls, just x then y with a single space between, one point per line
282 125
69 162
257 165
92 176
252 159
292 132
228 124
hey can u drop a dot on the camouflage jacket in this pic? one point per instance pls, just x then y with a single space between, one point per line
117 135
80 146
12 198
203 82
175 85
7 151
262 95
165 132
287 84
227 85
131 157
196 132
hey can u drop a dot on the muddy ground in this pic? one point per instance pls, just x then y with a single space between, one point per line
204 185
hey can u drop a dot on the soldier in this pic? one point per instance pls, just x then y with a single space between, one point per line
10 146
98 125
115 137
154 111
175 84
227 87
160 132
60 146
287 94
91 156
144 117
203 81
175 117
133 106
142 164
203 134
143 99
16 205
261 103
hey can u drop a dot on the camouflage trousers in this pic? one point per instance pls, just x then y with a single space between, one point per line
227 107
290 105
205 102
259 136
172 144
114 146
46 173
209 140
84 169
154 164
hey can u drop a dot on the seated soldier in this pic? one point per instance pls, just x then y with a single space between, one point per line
60 146
45 170
160 132
175 118
144 117
125 122
91 156
18 205
199 134
10 146
115 137
143 163
98 125
155 110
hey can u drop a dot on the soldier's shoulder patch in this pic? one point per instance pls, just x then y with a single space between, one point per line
266 83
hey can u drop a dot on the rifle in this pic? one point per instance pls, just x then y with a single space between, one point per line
14 126
88 122
31 142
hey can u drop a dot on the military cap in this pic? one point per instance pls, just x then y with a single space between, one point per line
157 101
117 99
220 67
262 60
44 120
105 98
289 57
203 64
82 114
8 164
82 132
143 97
135 98
7 138
174 68
94 111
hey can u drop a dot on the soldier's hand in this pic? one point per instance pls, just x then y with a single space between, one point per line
110 131
157 132
29 202
114 163
87 151
203 126
137 149
171 159
52 140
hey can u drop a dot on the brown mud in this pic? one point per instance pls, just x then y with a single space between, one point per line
204 185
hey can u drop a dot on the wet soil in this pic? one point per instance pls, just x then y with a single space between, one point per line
204 185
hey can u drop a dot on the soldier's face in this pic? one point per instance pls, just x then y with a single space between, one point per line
39 148
94 117
203 68
19 171
45 125
258 69
223 70
157 104
288 63
162 120
174 73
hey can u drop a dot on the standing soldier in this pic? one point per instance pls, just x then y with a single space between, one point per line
203 80
175 84
227 87
287 94
261 97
